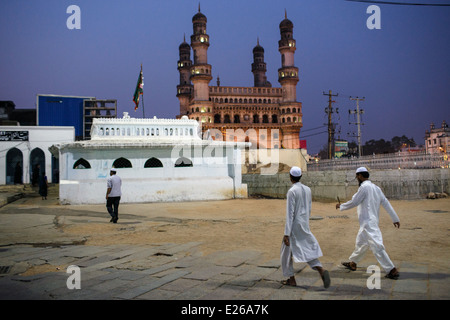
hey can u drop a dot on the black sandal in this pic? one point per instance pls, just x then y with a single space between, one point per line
393 275
288 283
349 265
326 279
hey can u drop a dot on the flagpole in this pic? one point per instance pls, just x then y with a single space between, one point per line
143 111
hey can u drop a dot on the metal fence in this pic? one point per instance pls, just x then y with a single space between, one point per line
400 160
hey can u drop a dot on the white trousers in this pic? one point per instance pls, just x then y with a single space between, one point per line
363 243
287 263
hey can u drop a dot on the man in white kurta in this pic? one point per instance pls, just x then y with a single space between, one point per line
368 200
299 244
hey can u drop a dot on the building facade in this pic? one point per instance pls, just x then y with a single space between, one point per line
158 160
267 117
23 148
437 140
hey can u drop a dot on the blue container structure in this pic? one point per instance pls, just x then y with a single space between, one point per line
57 110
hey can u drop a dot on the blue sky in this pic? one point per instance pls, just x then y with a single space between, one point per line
402 69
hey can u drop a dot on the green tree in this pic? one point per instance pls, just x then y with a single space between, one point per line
403 141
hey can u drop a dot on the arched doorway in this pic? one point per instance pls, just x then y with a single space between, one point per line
55 169
37 165
14 166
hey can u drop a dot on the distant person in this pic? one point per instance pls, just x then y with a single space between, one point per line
113 194
299 244
43 186
35 175
368 200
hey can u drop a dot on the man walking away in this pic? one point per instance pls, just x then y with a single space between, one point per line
368 200
113 194
299 244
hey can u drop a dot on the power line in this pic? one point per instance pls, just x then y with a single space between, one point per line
403 3
313 128
314 134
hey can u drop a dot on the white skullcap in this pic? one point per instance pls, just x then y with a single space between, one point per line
113 170
295 172
361 169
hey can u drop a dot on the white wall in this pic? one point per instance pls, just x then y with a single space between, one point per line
212 177
39 137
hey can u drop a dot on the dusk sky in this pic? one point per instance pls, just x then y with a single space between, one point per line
402 69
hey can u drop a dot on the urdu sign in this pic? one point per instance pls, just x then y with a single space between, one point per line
13 135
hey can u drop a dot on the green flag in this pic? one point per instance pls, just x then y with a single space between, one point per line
139 90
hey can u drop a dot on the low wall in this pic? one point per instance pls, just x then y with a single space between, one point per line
328 185
152 190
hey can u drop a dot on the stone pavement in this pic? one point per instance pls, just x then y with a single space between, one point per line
181 272
174 271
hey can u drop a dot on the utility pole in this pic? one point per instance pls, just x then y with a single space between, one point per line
329 111
358 112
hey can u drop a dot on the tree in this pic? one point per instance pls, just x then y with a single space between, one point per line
381 146
399 142
377 146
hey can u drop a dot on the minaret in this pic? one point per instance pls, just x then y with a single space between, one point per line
200 70
290 109
259 67
288 73
184 89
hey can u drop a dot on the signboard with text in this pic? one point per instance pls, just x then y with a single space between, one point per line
13 135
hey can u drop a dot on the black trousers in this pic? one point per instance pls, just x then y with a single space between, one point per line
112 205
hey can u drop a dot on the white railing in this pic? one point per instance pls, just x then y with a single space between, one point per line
131 128
399 160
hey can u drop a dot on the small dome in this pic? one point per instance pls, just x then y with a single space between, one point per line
258 48
199 16
184 45
286 24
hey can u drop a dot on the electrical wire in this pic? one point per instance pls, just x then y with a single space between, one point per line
314 134
403 3
313 128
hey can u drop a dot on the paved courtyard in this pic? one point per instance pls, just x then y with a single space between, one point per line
39 241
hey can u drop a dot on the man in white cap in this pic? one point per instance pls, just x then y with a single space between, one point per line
368 200
113 194
299 244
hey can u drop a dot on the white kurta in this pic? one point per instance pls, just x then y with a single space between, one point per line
368 200
303 244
